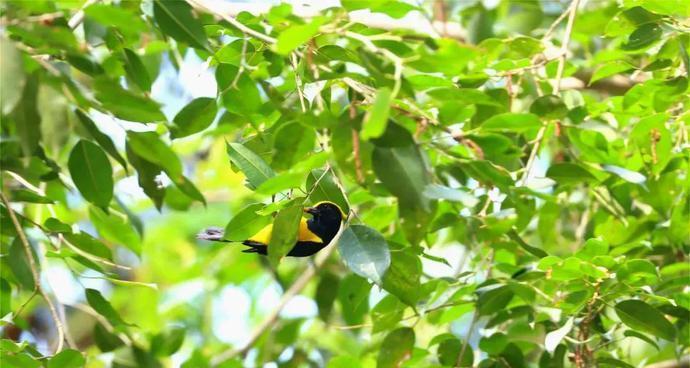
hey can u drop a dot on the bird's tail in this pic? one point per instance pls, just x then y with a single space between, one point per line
212 234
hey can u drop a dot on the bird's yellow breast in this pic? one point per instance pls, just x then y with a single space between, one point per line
304 234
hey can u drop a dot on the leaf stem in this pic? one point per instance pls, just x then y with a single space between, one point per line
35 272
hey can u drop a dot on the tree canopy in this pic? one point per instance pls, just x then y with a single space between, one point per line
514 174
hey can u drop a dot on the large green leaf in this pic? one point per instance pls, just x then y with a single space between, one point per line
323 188
27 118
402 278
246 223
403 171
102 139
512 122
136 70
67 359
449 353
147 173
365 252
176 20
103 307
375 121
125 104
116 227
194 117
285 229
89 244
396 348
642 316
494 300
296 35
12 75
254 167
91 173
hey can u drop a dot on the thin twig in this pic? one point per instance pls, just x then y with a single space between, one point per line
35 273
298 82
206 5
475 317
78 17
572 11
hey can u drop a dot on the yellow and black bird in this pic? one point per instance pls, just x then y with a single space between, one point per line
314 234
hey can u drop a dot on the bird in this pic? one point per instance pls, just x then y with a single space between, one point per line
314 233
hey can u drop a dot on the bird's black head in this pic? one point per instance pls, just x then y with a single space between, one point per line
326 220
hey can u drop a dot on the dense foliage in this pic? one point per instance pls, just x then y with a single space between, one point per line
516 179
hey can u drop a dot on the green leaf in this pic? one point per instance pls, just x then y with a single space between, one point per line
136 70
326 189
116 227
403 172
176 20
641 316
512 122
643 37
27 119
12 75
240 95
326 293
402 277
102 139
150 148
387 313
168 342
494 300
376 118
609 69
284 234
91 173
147 174
436 191
246 223
254 167
292 142
5 297
67 359
449 351
296 35
19 265
193 118
23 195
365 252
353 295
643 337
396 348
549 107
119 17
105 340
125 104
608 361
103 307
344 362
569 173
281 182
89 244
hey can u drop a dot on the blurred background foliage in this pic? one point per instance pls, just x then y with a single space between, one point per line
515 174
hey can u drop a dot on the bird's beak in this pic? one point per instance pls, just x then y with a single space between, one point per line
310 210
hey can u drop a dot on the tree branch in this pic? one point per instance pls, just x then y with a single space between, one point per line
35 273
